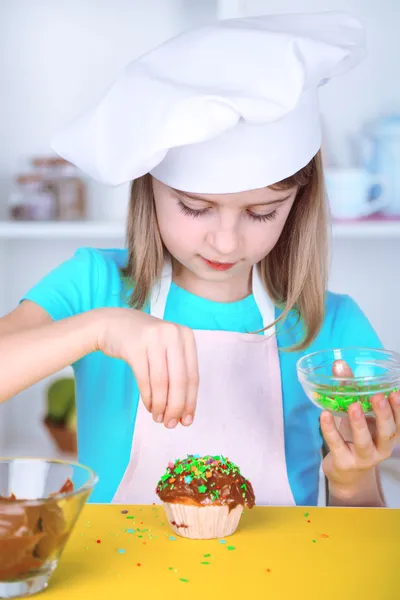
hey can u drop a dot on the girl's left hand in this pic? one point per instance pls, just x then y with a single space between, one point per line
360 443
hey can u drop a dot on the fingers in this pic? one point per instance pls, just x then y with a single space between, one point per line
171 392
140 367
158 371
341 369
364 447
177 379
334 439
386 414
192 377
394 400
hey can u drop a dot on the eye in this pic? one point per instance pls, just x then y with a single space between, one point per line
191 212
269 217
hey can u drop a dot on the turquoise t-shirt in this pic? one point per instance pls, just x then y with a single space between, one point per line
106 391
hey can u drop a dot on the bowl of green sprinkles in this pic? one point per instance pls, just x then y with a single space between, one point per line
334 379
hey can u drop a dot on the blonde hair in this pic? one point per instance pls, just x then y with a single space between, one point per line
294 272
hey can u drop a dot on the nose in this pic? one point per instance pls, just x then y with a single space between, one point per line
225 238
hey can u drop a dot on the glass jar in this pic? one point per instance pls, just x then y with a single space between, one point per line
368 371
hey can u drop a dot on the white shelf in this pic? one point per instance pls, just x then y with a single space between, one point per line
367 230
61 230
115 229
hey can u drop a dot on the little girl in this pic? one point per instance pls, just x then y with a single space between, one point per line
187 341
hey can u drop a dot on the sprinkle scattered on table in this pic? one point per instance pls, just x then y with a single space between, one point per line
306 514
171 538
121 551
206 555
324 535
130 531
98 541
184 580
205 562
222 541
231 548
124 512
268 570
139 564
314 541
130 517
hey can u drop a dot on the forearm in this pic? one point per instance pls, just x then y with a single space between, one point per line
29 356
367 493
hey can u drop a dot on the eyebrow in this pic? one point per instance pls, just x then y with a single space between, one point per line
199 199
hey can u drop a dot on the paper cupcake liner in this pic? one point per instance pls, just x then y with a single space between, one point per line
202 522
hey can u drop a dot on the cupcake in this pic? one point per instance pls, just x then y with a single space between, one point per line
204 497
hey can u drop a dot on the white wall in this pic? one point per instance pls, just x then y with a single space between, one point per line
369 90
62 55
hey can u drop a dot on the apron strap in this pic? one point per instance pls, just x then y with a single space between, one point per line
159 295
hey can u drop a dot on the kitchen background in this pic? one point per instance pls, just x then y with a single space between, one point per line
56 57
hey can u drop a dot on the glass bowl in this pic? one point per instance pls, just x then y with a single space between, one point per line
40 501
372 371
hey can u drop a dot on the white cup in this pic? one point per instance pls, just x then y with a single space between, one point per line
354 193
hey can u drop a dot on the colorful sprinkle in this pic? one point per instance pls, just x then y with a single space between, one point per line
98 541
184 580
198 470
138 565
324 535
121 551
130 531
314 541
172 538
222 541
130 517
268 570
231 548
205 562
206 555
306 514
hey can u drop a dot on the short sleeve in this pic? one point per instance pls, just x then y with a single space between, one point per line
352 327
70 288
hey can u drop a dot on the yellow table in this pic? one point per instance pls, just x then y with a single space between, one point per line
277 553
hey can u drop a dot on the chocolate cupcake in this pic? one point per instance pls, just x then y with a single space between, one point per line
204 497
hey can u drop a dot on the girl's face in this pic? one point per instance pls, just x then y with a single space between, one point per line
217 238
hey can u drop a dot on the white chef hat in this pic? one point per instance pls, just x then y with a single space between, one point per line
224 108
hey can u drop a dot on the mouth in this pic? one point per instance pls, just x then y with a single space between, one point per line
218 266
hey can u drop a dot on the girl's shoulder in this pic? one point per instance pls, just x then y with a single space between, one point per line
345 324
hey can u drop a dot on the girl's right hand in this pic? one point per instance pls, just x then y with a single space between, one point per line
163 357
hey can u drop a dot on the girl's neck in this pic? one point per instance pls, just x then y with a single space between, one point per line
232 290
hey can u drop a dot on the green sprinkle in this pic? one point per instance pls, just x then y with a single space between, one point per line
314 541
130 517
170 568
206 555
231 548
339 398
205 562
184 580
202 489
140 536
306 514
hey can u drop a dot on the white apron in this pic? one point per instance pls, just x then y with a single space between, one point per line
239 412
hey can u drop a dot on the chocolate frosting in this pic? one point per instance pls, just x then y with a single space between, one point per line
29 534
205 481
